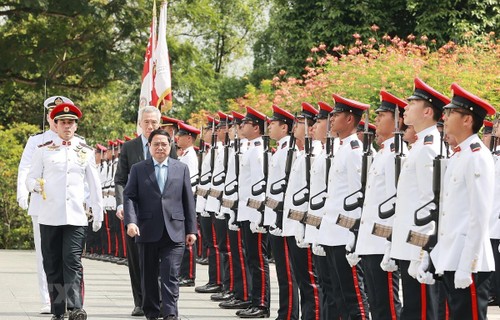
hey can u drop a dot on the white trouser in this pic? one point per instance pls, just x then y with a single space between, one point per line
42 278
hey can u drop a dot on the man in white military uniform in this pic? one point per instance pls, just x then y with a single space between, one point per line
344 179
382 285
185 139
34 142
413 191
59 173
463 253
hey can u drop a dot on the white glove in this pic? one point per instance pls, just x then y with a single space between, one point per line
387 264
498 247
352 259
462 279
37 187
220 216
318 250
205 214
350 242
299 236
96 225
23 203
230 223
255 228
423 276
275 231
413 268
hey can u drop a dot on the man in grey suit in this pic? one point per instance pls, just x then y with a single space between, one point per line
132 152
160 214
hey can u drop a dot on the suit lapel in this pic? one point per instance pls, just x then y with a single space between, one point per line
139 148
172 170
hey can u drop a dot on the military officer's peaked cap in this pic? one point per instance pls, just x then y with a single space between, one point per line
65 111
237 117
112 143
423 91
186 129
389 102
324 110
254 116
211 121
223 119
127 138
361 127
100 147
308 111
167 121
119 141
280 114
463 99
488 127
348 105
55 100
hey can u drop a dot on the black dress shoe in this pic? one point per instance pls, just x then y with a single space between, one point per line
209 288
77 314
202 261
244 310
235 304
222 296
59 317
170 317
186 283
137 312
254 312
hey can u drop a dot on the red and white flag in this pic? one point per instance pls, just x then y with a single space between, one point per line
147 87
162 81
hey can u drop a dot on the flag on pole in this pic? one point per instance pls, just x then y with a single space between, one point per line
145 98
162 82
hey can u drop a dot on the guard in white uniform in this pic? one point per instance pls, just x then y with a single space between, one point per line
241 291
495 217
382 285
344 179
59 172
34 142
413 191
463 253
186 135
254 234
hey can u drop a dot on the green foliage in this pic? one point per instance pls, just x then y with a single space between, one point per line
15 227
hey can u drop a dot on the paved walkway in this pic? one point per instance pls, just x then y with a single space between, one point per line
107 292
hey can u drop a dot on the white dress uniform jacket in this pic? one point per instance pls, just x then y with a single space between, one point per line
190 158
466 207
229 184
414 190
276 171
251 172
380 186
495 217
66 170
344 178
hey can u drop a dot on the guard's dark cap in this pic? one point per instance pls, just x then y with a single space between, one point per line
185 129
65 111
389 102
425 92
324 110
254 116
488 127
280 114
361 127
463 99
308 111
348 105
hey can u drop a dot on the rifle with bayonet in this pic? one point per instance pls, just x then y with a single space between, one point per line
494 139
380 229
231 187
428 242
201 152
207 176
304 191
353 223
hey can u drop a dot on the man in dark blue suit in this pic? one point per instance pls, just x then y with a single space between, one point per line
160 214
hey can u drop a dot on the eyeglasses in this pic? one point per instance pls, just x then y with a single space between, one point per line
447 112
160 144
